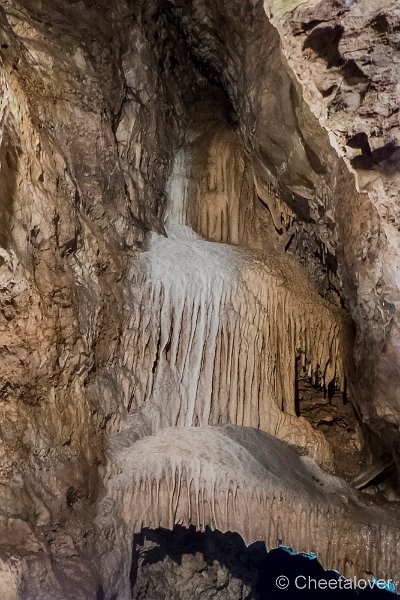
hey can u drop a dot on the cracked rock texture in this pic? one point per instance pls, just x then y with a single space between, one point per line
345 57
198 220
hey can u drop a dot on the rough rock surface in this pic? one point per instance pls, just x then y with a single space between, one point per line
180 564
270 127
345 57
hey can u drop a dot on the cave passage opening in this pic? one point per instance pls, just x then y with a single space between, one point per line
185 563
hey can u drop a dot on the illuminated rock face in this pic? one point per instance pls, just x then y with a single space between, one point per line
185 232
353 45
223 326
224 476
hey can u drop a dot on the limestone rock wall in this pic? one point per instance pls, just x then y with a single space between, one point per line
344 55
172 564
105 128
329 154
79 190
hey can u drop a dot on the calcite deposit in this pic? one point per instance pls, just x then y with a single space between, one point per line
199 287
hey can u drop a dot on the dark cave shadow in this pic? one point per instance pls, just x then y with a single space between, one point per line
9 151
244 563
324 41
226 548
385 159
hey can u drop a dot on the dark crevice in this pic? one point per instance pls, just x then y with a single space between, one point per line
330 411
184 563
166 19
324 41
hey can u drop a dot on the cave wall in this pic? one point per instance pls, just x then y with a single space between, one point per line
344 56
80 189
335 89
97 102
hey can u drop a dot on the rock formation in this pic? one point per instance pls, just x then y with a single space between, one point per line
199 288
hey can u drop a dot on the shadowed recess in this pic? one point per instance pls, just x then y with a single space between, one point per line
165 561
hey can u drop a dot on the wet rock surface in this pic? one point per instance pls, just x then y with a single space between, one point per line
344 55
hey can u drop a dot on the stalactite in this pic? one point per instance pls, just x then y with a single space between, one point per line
223 332
242 479
221 204
220 327
211 351
211 188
